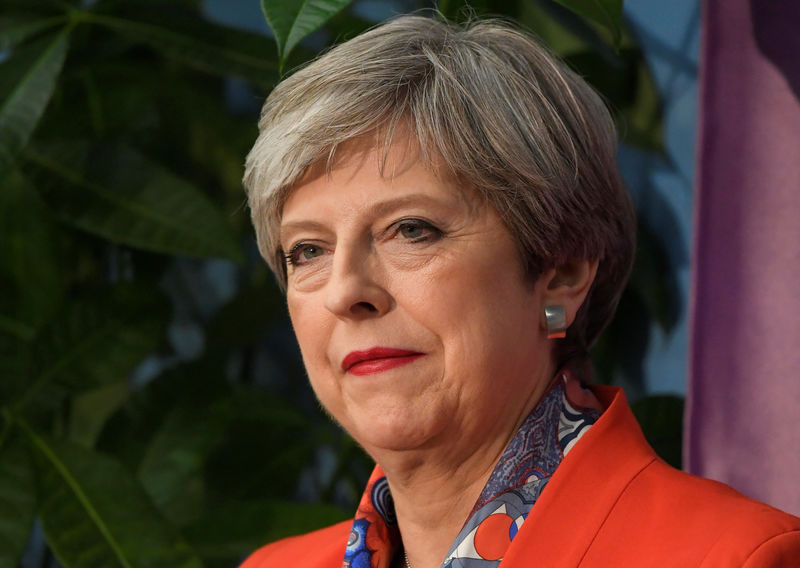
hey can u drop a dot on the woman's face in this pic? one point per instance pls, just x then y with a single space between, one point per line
407 296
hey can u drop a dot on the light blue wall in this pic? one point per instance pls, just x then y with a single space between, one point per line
669 35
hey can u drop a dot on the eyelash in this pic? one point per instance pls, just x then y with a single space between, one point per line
291 256
432 233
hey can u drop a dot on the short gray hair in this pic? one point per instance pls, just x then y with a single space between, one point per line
491 105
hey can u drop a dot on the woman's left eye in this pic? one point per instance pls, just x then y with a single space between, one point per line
417 230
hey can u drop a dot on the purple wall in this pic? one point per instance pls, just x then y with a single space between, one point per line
744 392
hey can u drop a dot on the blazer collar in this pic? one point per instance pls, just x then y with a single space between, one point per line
584 489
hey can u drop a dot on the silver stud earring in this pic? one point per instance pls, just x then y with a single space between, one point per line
556 321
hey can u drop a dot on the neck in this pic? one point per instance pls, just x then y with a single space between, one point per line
435 488
431 507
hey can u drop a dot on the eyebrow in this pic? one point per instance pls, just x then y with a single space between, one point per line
376 210
301 225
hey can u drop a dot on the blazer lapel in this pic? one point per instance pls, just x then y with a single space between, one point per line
583 490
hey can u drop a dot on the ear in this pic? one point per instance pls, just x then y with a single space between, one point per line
567 285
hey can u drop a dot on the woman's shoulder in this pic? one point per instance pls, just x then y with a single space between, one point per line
613 502
702 520
323 548
705 501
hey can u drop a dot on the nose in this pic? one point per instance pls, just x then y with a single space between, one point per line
355 289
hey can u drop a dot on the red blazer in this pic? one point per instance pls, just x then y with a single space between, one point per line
612 503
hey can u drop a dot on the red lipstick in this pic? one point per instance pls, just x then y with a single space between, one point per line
377 359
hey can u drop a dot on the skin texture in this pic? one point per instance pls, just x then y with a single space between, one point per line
400 258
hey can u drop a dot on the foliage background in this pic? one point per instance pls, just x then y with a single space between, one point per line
154 407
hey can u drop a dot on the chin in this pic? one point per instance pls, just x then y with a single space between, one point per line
393 431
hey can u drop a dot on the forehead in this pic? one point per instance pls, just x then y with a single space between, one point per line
391 154
402 161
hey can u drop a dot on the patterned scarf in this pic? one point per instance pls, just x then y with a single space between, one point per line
558 421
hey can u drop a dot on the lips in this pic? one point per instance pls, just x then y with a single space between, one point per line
377 359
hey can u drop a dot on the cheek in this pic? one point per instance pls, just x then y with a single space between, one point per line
475 308
308 328
460 288
313 339
296 316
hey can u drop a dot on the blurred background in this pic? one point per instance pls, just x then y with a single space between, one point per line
155 411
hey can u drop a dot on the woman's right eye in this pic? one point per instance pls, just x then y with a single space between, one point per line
302 253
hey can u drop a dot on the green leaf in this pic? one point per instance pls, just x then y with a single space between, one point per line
95 514
210 47
618 355
282 437
27 80
118 194
15 360
16 29
17 500
90 411
292 20
652 278
547 20
242 321
607 13
627 85
172 468
238 528
127 434
31 286
39 6
661 419
642 122
90 345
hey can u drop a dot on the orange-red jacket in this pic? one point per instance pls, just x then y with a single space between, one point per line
612 503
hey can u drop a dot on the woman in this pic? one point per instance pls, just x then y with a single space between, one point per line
443 208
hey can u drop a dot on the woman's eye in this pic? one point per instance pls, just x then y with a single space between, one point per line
303 252
417 230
